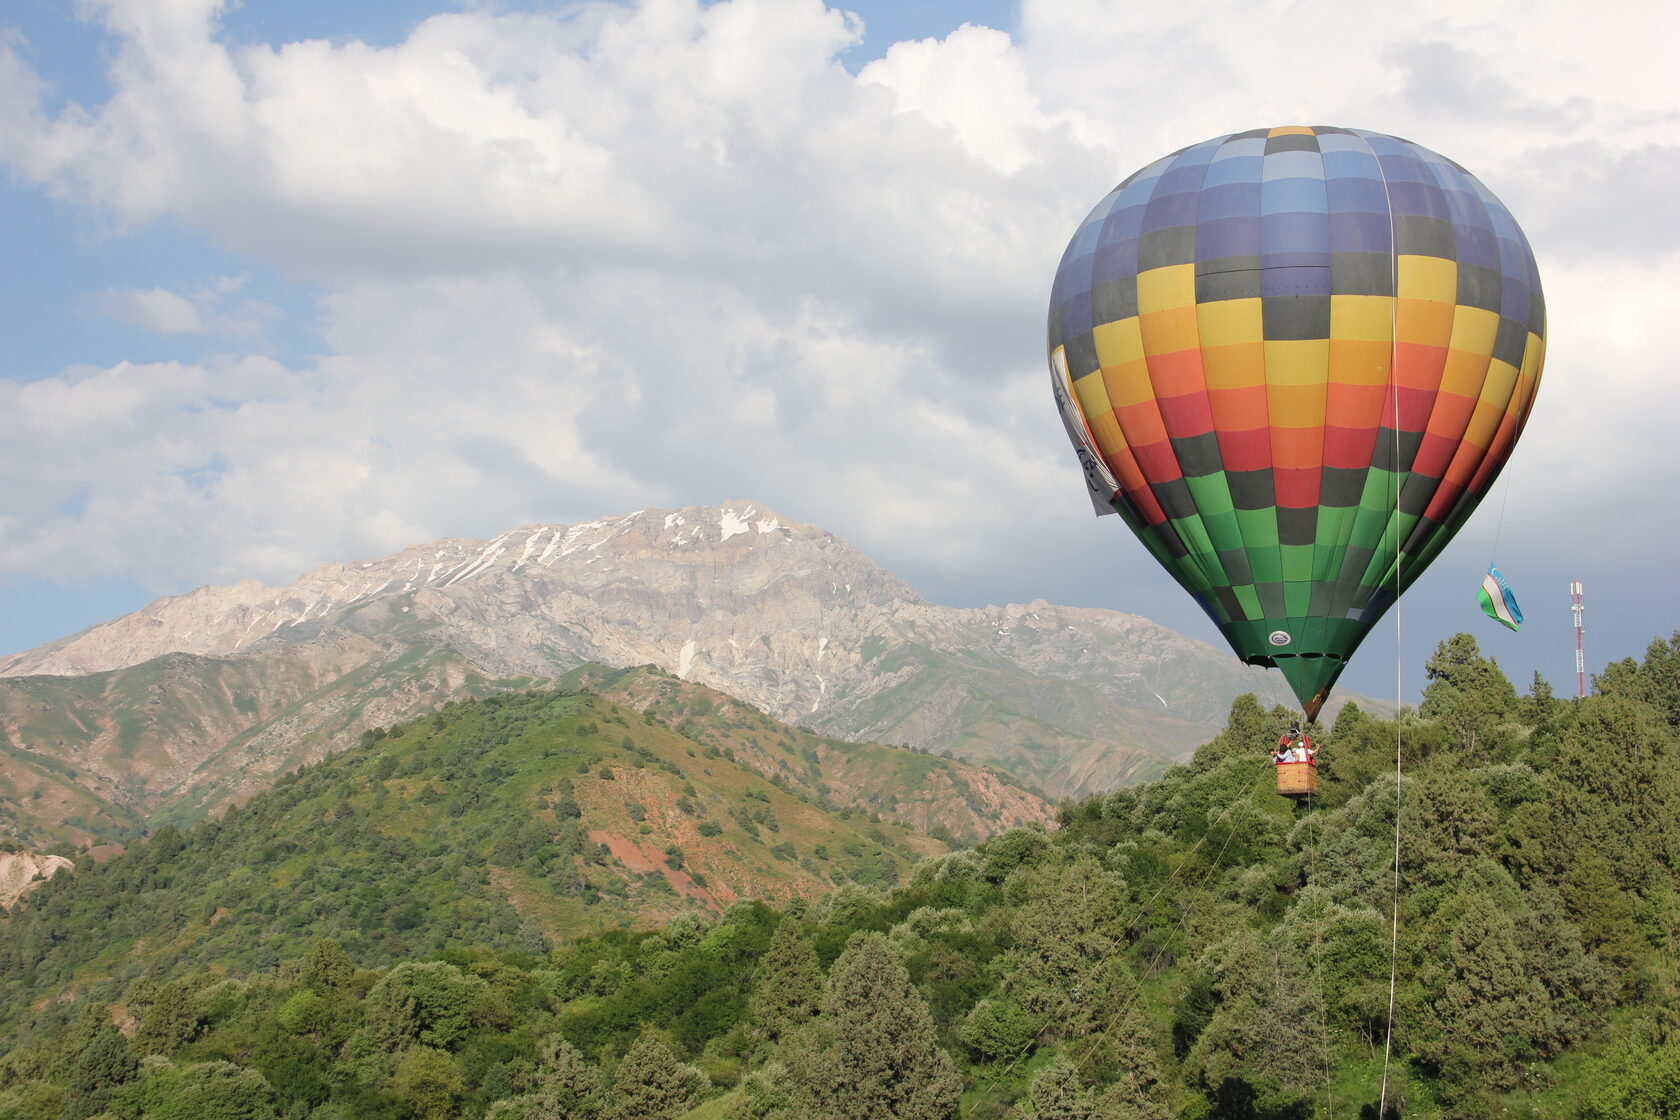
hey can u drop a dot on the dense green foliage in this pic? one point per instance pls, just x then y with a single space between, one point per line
1197 947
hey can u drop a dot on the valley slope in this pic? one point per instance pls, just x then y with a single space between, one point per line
507 822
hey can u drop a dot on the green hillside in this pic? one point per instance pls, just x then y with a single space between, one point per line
102 757
508 823
108 756
940 796
1198 947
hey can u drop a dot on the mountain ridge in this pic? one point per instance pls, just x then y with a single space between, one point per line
787 617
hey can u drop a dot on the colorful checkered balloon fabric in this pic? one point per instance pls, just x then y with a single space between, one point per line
1294 360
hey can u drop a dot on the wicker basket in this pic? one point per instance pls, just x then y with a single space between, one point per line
1297 779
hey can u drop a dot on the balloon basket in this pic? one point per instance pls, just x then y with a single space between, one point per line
1297 779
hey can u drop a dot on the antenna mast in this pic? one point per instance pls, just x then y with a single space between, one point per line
1580 657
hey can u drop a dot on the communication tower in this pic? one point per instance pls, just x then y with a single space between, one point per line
1580 655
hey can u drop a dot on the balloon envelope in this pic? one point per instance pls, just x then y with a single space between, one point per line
1293 360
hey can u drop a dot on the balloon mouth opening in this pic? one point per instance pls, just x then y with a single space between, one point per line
1270 660
1310 674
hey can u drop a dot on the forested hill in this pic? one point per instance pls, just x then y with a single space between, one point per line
506 823
1197 947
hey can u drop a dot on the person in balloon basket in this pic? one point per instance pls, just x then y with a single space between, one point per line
1295 747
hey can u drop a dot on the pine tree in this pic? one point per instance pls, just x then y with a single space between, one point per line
105 1064
1138 1091
431 1002
1249 730
327 967
1468 695
1620 790
787 986
651 1084
1662 674
170 1023
1452 825
1267 1026
568 1088
1056 1094
873 1054
1485 1001
1065 968
1540 705
201 1091
1601 909
998 1030
429 1080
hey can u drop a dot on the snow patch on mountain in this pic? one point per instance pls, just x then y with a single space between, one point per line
732 524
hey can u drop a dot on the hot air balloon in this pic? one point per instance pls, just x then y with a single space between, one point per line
1293 360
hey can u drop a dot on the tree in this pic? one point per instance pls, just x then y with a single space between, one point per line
1065 968
1662 674
1249 730
1056 1094
204 1091
768 1093
1010 849
1130 1056
105 1065
787 986
998 1030
873 1055
431 1002
1620 790
428 1079
568 1088
327 968
1540 705
1267 1026
1451 821
651 1084
304 1012
1634 1082
170 1022
1466 692
1602 911
1484 1002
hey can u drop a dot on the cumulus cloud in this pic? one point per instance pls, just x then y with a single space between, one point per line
154 309
218 307
568 262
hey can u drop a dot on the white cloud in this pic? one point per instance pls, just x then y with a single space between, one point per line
973 81
569 263
151 308
217 307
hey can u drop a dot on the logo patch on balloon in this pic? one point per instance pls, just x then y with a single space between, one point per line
1278 638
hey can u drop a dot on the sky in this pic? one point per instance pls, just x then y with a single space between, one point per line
296 281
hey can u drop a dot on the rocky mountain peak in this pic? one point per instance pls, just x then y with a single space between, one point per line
785 616
688 547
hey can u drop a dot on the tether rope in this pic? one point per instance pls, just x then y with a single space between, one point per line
1318 974
1399 652
1394 926
1499 526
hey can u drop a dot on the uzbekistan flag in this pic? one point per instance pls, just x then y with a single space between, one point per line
1497 600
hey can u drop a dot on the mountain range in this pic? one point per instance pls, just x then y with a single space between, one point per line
201 699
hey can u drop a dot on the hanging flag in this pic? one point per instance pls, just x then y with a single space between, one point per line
1498 602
